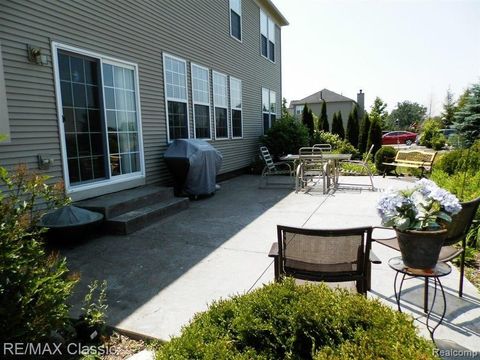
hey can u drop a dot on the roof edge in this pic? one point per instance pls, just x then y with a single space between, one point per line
270 6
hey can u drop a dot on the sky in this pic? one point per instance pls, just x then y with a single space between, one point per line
397 50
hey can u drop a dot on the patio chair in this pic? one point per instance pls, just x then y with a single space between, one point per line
457 231
324 255
311 168
326 148
363 169
273 168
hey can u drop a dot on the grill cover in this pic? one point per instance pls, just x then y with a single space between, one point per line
194 165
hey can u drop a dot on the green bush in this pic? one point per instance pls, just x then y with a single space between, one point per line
385 154
34 285
286 321
286 136
338 145
460 160
430 131
438 141
465 186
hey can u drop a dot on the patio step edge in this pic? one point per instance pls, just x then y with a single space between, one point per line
115 204
137 219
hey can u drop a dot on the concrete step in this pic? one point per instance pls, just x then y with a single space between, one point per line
115 204
137 219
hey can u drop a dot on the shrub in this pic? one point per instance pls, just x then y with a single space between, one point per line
286 136
460 160
430 129
438 141
34 285
338 145
286 321
363 133
385 154
465 186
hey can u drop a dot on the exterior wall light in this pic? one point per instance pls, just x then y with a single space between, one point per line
35 56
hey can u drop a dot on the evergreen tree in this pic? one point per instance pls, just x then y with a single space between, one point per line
448 114
467 120
375 136
352 127
324 118
307 120
363 133
337 125
284 107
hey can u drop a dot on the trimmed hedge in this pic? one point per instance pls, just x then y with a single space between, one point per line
288 321
385 154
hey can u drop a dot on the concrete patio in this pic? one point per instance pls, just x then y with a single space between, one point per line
159 277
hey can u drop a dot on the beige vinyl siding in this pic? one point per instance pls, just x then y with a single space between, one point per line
137 32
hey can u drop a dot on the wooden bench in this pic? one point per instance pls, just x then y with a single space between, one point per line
412 159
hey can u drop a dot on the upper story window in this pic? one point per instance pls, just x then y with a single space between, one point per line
176 96
236 105
236 19
201 102
220 104
267 35
269 108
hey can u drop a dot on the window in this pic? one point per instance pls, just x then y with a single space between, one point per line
236 105
269 108
236 19
298 110
100 119
201 102
267 35
220 103
175 75
4 121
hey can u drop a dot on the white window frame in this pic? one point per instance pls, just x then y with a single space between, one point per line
4 119
196 102
167 98
236 108
269 36
230 19
117 179
269 112
219 106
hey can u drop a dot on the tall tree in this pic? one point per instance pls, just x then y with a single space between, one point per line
307 120
449 108
375 136
337 125
324 118
284 108
467 120
379 111
363 133
352 127
405 115
463 99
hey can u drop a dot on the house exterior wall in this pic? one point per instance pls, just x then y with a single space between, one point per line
139 33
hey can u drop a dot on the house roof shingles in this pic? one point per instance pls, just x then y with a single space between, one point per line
325 94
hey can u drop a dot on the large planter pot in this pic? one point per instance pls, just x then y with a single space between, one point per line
420 249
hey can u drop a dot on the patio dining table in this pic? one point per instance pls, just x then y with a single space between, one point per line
332 158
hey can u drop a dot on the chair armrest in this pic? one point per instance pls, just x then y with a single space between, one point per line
374 259
273 250
283 163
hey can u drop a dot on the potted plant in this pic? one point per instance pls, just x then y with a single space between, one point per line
419 216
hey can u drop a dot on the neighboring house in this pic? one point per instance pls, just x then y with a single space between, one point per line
335 103
92 92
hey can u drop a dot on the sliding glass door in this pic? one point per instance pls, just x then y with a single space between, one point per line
100 118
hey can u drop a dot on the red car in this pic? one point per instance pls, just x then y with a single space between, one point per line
399 137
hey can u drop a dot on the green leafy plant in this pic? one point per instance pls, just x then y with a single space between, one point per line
286 136
338 145
289 321
34 284
95 304
429 132
438 141
385 154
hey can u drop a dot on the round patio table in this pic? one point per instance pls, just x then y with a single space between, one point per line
441 269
